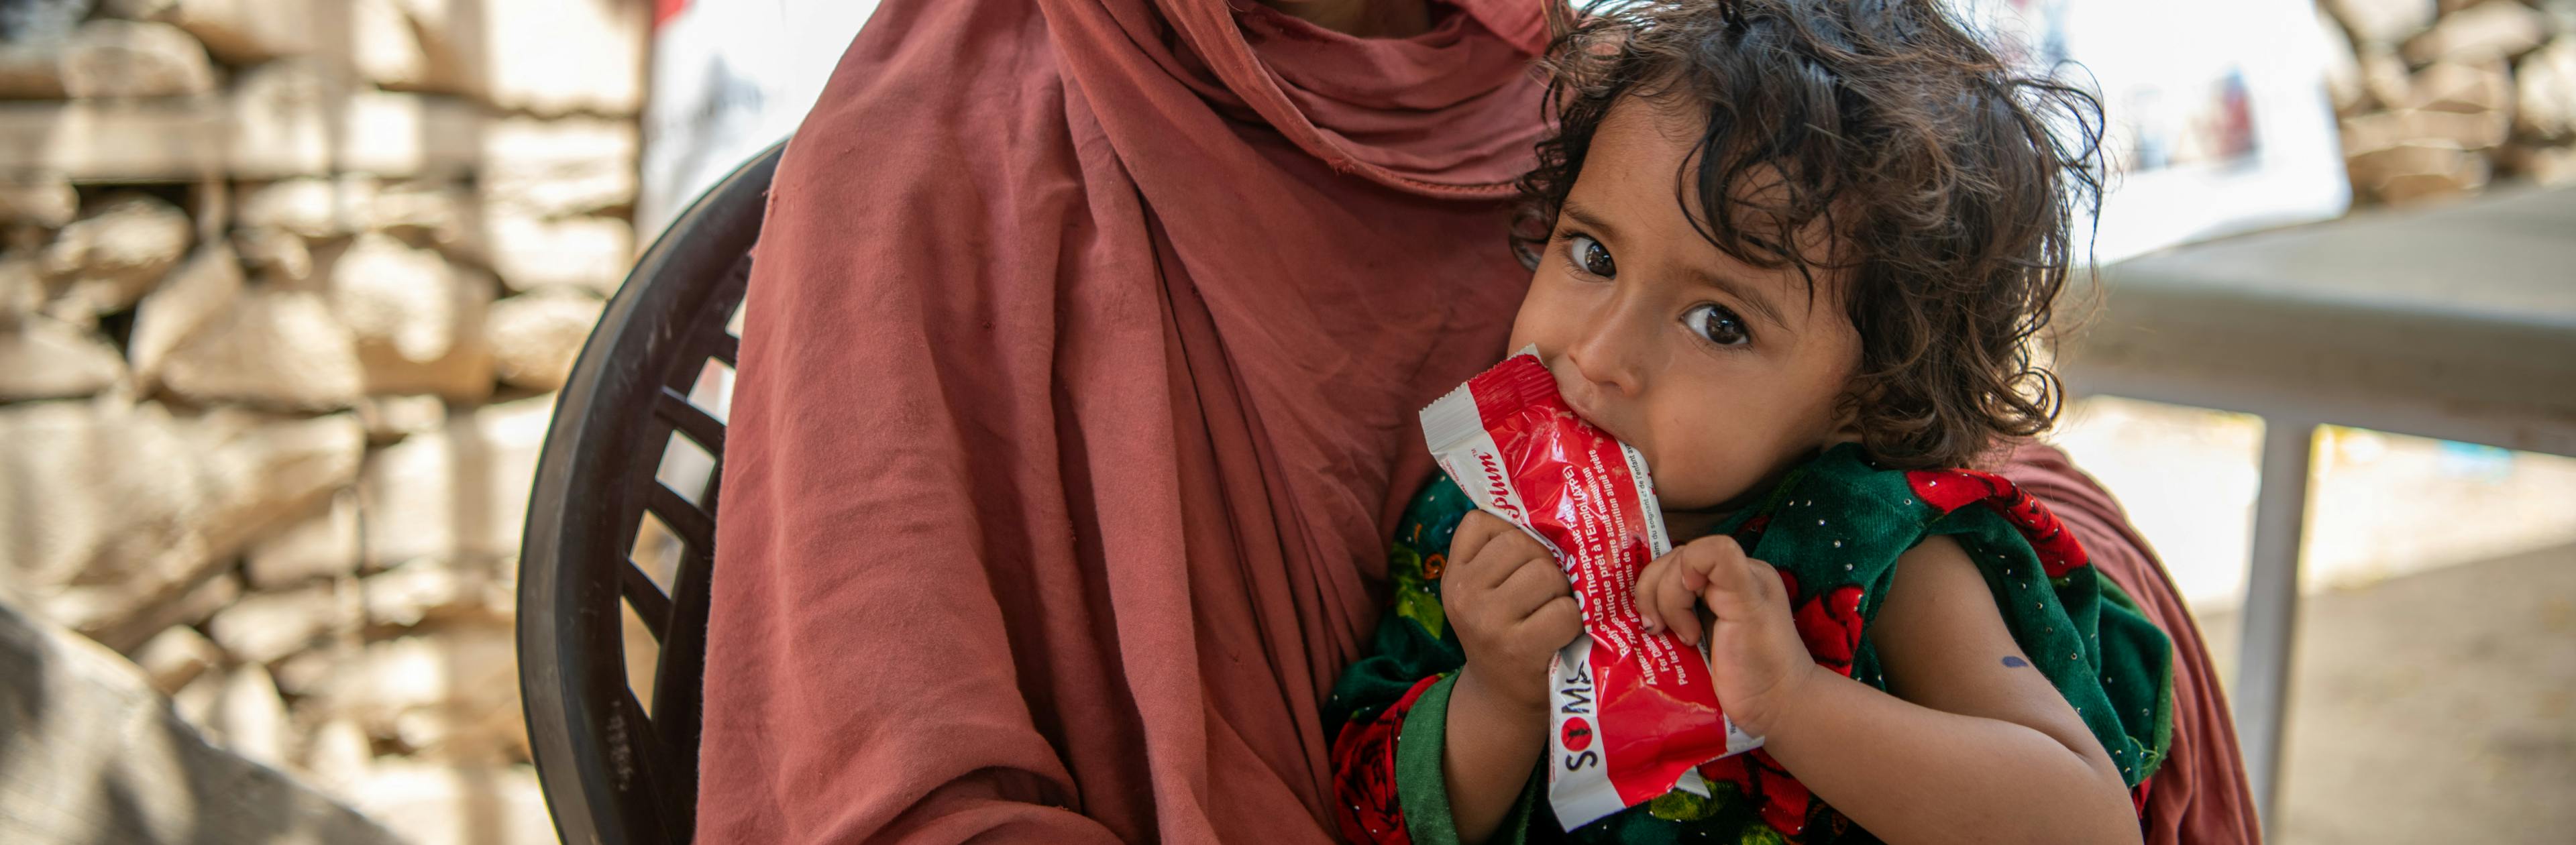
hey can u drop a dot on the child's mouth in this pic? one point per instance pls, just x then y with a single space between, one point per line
1578 396
1584 410
1585 400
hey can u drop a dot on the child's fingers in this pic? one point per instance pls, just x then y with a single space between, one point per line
1478 534
1686 624
1672 603
1650 583
1470 537
1555 623
1737 586
1532 585
1473 531
1703 555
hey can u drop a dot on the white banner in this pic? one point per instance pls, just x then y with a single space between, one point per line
731 77
2218 115
2217 110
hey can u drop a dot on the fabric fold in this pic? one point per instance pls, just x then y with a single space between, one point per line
1076 388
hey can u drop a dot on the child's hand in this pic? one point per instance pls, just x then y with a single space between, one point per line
1755 656
1512 608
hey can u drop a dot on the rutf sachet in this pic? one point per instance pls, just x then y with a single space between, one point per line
1632 715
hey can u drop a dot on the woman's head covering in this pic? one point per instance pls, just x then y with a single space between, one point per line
1084 345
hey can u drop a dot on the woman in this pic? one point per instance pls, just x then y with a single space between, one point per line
1077 393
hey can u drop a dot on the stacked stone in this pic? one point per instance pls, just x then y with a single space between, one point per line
285 287
2441 97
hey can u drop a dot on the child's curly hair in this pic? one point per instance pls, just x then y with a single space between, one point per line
1932 160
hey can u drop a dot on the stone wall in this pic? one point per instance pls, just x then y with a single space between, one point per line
2442 97
284 287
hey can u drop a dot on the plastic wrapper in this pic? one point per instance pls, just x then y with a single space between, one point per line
1631 715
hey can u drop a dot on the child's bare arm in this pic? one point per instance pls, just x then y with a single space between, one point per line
1512 608
1974 746
1492 746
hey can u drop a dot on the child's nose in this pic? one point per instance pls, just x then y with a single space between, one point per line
1605 359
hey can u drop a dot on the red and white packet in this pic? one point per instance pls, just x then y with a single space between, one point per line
1631 715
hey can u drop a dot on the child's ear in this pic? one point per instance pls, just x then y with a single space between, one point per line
1846 422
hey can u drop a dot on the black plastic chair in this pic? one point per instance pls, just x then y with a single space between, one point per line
612 773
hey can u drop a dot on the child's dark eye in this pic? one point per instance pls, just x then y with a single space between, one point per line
1717 323
1590 255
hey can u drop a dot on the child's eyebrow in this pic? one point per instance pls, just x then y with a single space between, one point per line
1589 220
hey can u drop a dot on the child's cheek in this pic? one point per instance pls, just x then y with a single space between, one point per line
1695 474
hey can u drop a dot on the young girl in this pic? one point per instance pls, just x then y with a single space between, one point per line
1796 253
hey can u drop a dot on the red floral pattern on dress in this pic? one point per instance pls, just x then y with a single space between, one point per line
1364 774
1830 625
1783 800
1950 490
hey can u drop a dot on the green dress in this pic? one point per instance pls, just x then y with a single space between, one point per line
1834 527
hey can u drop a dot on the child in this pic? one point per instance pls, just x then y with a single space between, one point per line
1795 252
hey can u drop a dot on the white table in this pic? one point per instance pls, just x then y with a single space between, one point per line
2456 322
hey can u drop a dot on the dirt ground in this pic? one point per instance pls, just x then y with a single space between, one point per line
2433 707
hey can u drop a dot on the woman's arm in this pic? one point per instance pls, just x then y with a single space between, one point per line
1974 746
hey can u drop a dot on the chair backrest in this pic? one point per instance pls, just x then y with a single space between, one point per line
618 767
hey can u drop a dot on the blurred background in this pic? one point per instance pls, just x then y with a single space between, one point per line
285 287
